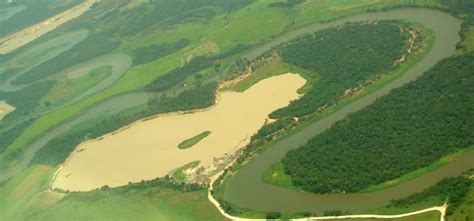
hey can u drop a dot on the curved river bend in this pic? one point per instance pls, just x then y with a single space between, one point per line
246 188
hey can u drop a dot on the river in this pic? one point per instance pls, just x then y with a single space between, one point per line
246 189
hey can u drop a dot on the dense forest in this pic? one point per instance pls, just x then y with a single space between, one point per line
336 61
57 150
408 129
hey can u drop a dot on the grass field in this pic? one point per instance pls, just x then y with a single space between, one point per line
275 175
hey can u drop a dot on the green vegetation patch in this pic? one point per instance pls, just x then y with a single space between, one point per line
276 175
193 140
411 128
